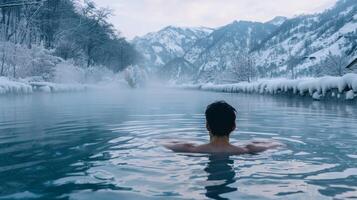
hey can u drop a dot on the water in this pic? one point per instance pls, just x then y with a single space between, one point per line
107 145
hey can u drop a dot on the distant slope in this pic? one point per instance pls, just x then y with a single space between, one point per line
158 48
277 21
312 36
281 47
178 70
214 53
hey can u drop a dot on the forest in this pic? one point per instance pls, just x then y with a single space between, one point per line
37 35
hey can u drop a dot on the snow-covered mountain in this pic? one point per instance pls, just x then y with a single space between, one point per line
277 21
158 48
217 52
178 70
293 47
308 40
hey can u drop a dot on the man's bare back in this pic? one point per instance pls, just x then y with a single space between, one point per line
222 148
220 123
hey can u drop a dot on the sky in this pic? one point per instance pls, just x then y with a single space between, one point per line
138 17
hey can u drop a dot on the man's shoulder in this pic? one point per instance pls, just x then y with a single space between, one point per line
203 148
231 149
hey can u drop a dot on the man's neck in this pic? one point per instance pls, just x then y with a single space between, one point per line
219 141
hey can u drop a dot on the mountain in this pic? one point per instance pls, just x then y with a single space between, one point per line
216 52
174 51
306 45
158 48
309 40
179 70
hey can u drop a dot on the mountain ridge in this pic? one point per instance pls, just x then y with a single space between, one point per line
279 47
158 48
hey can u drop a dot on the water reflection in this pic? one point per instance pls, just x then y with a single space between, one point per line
44 155
221 175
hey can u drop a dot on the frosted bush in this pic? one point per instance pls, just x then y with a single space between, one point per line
19 61
135 76
66 72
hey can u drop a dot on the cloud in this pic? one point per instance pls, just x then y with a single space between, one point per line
138 17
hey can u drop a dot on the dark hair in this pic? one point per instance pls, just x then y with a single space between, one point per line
220 117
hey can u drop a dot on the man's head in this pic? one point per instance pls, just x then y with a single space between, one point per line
220 119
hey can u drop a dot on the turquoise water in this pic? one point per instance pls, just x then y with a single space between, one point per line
107 145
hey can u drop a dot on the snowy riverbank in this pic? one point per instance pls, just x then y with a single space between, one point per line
9 86
317 88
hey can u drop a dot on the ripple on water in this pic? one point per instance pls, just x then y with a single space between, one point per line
93 155
278 178
334 175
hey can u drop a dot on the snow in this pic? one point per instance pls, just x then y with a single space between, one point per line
350 95
351 81
10 86
159 61
56 87
349 27
157 49
309 37
67 77
277 21
347 11
45 89
24 62
317 88
69 74
171 42
316 96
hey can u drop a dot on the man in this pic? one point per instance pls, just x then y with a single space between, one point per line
220 123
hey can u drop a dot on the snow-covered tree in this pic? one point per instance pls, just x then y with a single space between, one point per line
244 67
70 30
135 76
335 64
291 65
18 61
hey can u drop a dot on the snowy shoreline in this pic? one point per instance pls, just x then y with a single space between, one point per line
322 88
8 86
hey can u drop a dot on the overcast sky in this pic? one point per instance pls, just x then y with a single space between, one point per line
138 17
